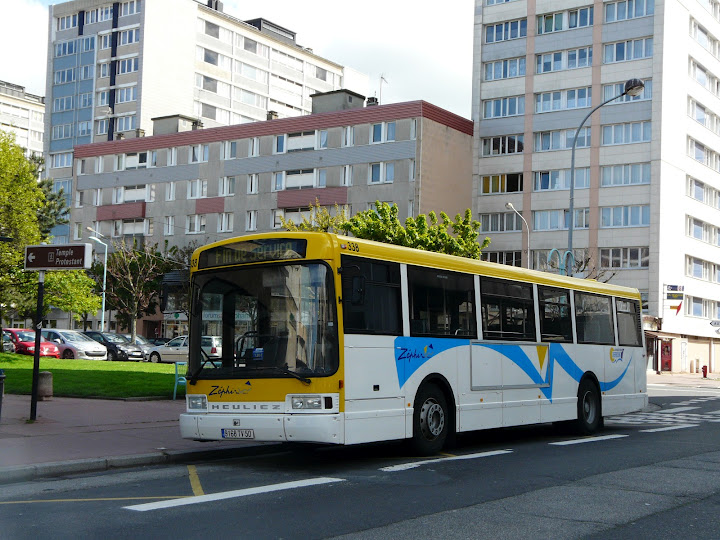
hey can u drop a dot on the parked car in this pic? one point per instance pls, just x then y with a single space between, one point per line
176 350
74 344
23 341
118 346
144 344
7 343
159 341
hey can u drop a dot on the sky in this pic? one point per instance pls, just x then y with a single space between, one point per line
421 50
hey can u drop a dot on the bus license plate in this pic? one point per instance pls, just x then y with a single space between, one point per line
238 434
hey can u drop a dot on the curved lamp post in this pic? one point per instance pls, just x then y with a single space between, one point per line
510 206
633 87
96 239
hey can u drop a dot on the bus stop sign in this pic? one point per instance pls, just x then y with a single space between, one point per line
58 257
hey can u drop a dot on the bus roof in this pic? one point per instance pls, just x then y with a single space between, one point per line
328 246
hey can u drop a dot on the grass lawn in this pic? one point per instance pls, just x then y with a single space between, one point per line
92 378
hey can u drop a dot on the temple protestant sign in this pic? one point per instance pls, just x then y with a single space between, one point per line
58 257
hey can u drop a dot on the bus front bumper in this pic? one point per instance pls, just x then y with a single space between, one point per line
319 428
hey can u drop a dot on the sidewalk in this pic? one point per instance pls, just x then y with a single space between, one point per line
74 435
82 435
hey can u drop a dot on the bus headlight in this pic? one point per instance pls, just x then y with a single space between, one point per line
306 402
197 403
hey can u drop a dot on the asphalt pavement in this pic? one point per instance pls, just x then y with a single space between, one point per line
72 435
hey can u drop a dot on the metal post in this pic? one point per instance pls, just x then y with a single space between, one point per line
2 389
96 239
36 362
510 206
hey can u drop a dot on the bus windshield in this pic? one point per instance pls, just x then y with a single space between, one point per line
275 320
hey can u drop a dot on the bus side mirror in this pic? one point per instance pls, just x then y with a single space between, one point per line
357 296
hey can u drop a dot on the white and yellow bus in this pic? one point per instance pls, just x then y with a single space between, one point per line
331 339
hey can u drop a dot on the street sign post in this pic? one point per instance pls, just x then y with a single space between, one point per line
50 257
58 257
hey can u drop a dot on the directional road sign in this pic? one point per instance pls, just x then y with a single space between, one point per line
715 323
58 257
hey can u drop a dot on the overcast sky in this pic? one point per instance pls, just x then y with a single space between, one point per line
422 48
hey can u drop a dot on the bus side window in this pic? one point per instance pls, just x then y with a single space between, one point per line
629 325
594 319
371 296
555 322
508 311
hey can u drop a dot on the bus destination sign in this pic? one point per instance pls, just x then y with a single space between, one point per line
58 257
252 251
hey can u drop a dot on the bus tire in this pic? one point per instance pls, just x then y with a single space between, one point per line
589 413
430 421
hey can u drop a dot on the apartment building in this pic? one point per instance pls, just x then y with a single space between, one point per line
203 185
647 189
23 114
113 66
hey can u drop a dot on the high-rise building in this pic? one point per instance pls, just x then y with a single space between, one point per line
113 66
646 199
23 114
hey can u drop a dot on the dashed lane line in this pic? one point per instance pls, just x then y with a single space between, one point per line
587 440
160 505
415 464
668 428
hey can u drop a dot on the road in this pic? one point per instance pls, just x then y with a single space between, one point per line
647 475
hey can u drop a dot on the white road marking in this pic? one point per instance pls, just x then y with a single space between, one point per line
415 464
677 410
668 428
232 494
587 440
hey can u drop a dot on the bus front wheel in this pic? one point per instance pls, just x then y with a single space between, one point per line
589 414
430 421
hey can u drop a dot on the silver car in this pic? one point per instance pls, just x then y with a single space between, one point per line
73 344
143 343
176 350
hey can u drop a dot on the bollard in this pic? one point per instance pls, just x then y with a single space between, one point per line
2 389
704 371
45 386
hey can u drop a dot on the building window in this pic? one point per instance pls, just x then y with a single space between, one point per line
85 100
171 157
84 128
322 141
347 175
170 191
505 31
611 90
500 222
62 131
321 177
68 21
510 258
127 37
625 258
624 175
103 98
125 123
348 136
64 76
625 216
197 189
554 220
195 223
61 160
251 220
129 8
229 150
169 226
279 144
502 107
633 49
504 69
128 65
124 95
574 98
501 183
562 60
226 187
564 20
102 127
252 183
254 147
199 153
505 144
560 179
627 9
63 104
561 140
225 222
632 132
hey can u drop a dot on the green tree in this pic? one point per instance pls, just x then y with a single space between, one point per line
424 232
320 219
54 210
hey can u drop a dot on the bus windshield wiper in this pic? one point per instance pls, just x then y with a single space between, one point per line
194 376
286 371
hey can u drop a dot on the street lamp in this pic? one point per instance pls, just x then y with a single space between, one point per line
510 206
633 87
96 239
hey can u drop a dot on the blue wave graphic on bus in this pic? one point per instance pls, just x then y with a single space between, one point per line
412 353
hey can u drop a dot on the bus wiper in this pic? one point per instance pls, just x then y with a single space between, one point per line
286 371
194 376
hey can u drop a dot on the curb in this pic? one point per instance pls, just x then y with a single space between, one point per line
36 471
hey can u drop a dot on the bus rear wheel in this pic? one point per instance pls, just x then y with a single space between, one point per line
589 414
430 421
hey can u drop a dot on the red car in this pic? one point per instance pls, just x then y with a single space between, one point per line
24 342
